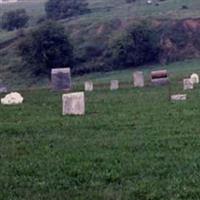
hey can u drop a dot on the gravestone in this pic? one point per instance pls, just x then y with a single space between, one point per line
188 84
179 97
195 78
88 86
12 99
138 79
114 84
159 77
3 88
73 103
61 79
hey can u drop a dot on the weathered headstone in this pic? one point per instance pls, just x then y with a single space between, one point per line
61 79
159 77
3 88
188 84
73 103
114 84
195 78
88 86
179 97
138 79
12 99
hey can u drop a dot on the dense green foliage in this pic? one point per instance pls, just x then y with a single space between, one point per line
60 9
138 46
46 47
131 144
14 19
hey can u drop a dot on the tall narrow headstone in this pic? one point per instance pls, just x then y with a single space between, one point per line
114 85
138 79
73 103
88 86
188 84
61 79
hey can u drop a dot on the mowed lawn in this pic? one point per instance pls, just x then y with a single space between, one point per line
131 144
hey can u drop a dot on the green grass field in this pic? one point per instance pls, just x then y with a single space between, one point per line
131 144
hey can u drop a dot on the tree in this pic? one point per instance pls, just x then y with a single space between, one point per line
46 47
139 45
60 9
14 19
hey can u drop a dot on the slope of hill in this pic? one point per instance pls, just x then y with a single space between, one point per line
107 18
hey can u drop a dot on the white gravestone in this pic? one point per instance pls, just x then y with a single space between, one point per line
73 103
61 79
138 79
195 78
88 86
12 99
178 97
187 84
114 85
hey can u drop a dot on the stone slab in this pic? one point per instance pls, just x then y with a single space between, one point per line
88 86
12 99
159 74
160 81
178 97
61 79
73 103
114 85
3 89
138 79
188 84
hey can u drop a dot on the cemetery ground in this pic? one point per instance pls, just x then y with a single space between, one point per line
131 144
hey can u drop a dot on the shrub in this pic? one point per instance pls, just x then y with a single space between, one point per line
60 9
14 19
46 47
139 45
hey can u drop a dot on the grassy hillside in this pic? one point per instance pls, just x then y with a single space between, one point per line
131 144
107 18
105 9
34 8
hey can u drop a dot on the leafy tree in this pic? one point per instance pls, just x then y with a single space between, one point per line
14 19
60 9
46 47
139 45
